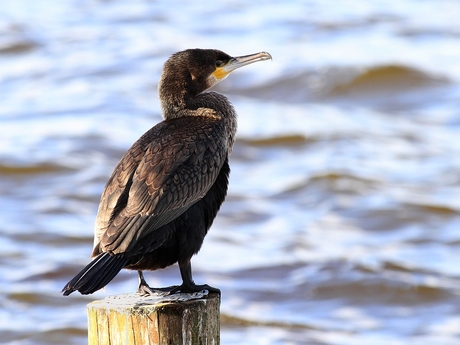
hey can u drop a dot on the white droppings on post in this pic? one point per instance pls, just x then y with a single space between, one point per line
131 299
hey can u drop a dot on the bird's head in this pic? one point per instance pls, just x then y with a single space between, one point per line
196 70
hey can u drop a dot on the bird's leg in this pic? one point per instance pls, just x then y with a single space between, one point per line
188 285
145 290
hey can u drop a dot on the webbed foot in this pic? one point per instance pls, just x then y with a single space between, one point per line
188 288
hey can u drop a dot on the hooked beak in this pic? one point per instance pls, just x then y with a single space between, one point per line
236 62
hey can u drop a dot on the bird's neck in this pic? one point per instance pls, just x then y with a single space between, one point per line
173 97
220 106
175 103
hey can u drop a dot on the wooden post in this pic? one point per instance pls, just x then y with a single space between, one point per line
181 319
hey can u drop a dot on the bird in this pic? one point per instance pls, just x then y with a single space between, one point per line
164 193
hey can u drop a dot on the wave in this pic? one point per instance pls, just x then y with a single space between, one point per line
44 168
388 78
231 320
338 83
16 39
19 46
282 140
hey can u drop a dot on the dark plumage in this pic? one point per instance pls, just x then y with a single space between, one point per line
167 189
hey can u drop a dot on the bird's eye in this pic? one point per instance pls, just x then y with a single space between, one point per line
219 63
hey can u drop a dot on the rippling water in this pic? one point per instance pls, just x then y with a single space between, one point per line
342 221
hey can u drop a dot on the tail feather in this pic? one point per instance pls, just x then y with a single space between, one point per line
97 274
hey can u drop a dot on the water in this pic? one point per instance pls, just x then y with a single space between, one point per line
342 221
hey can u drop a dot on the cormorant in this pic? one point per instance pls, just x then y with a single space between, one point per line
165 192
